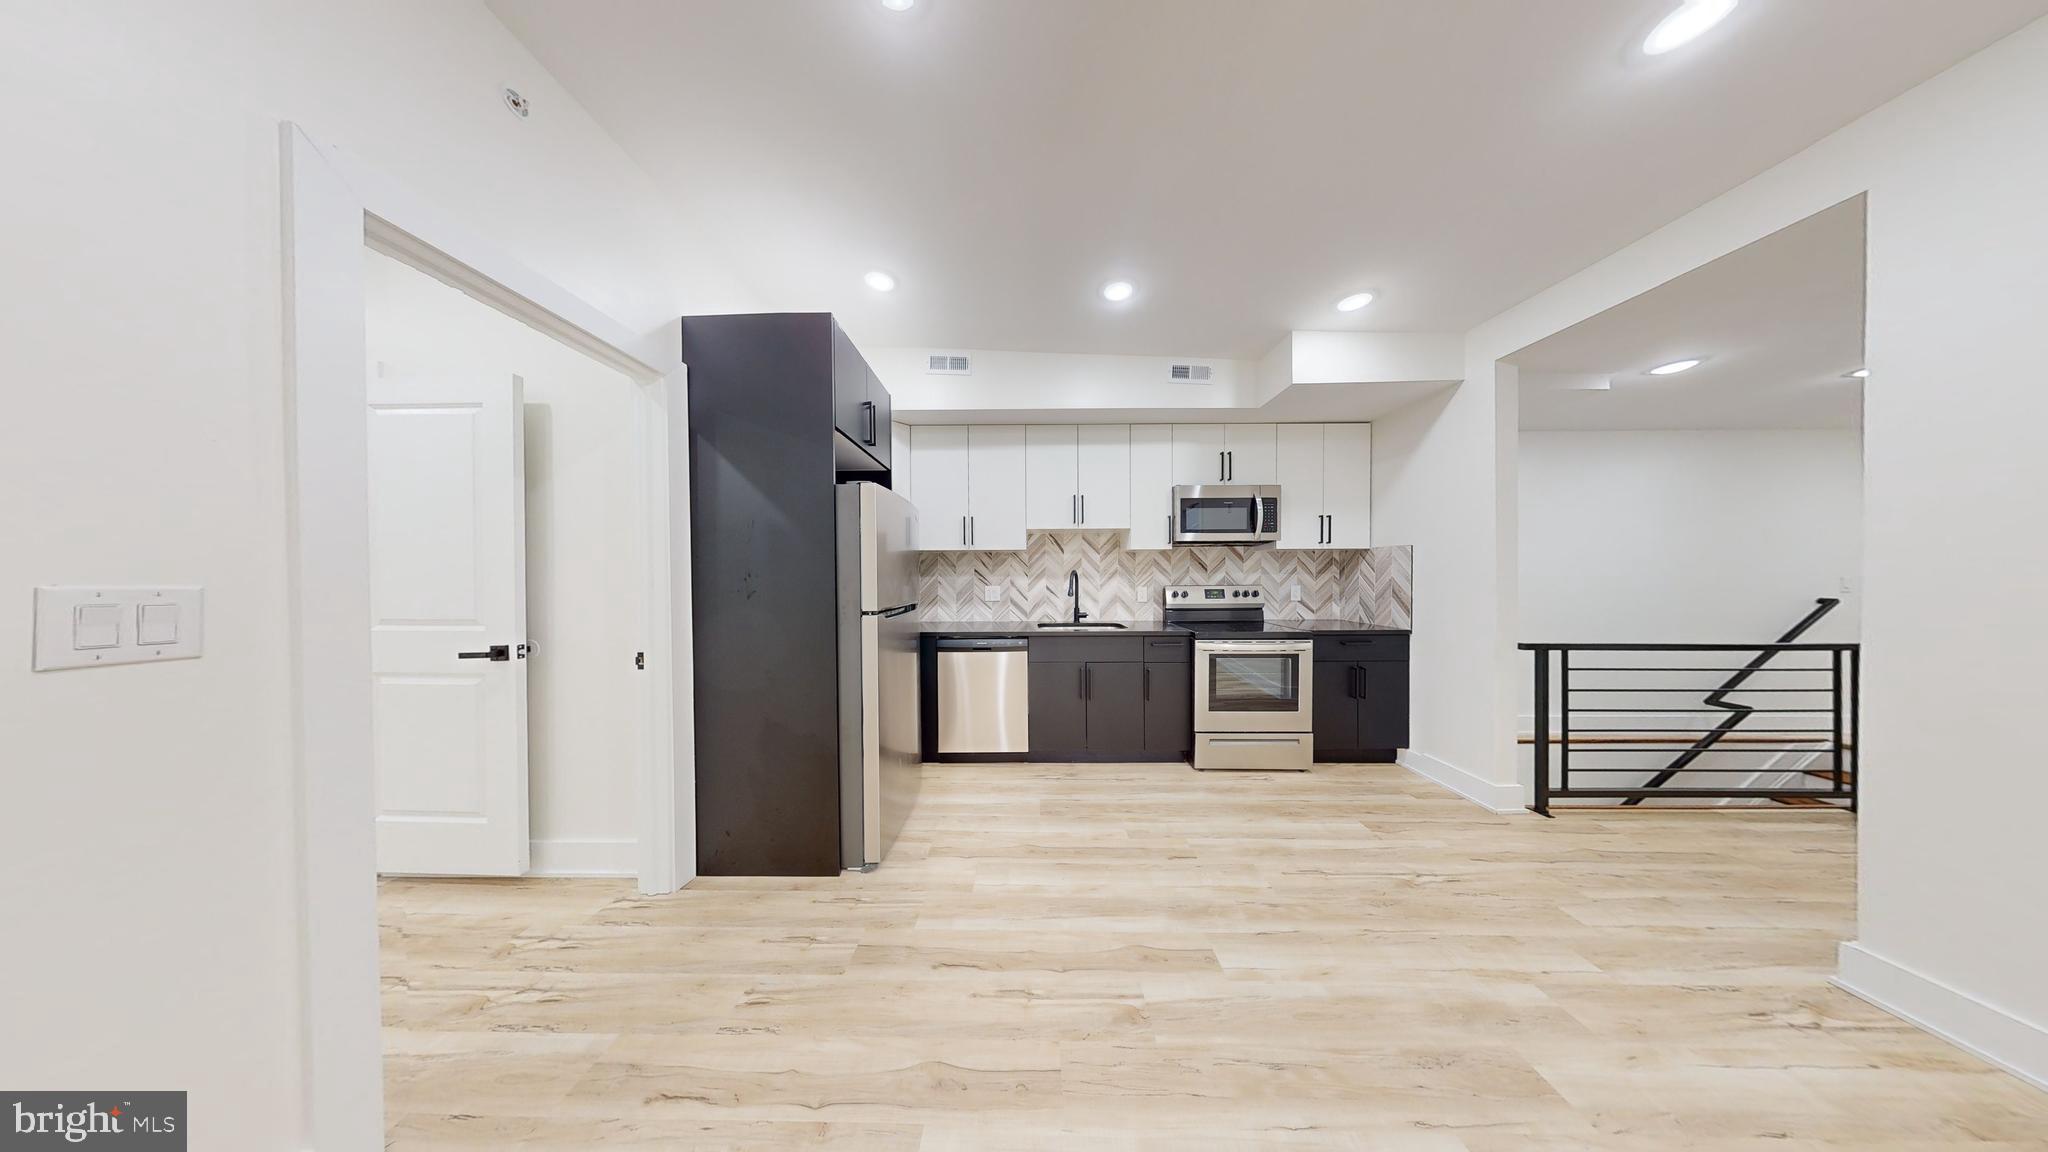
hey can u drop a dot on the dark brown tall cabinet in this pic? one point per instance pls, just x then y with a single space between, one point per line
782 406
860 405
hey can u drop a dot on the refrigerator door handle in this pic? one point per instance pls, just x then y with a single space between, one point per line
891 613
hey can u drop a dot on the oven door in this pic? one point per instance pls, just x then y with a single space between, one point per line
1225 513
1253 685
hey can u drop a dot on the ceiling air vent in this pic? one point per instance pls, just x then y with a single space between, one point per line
1191 373
949 366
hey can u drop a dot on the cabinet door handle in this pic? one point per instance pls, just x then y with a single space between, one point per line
970 529
1081 681
1073 509
963 531
1148 683
1230 465
1222 469
868 414
1084 508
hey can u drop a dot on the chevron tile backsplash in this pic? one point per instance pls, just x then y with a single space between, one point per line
1373 585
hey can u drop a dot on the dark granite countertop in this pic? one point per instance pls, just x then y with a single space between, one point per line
1031 628
1131 628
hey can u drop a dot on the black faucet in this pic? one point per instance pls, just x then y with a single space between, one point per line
1074 591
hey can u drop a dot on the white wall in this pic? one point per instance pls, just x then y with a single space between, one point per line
1687 536
582 582
1439 467
148 828
1950 851
1372 373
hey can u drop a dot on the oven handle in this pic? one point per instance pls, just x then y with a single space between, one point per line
1274 647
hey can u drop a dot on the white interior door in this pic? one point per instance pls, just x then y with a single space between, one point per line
448 578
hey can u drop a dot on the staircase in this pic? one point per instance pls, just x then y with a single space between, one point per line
1804 702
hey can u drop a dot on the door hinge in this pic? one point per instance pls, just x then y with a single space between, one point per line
640 661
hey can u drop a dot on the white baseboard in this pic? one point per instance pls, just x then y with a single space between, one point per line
585 858
1986 1031
1485 793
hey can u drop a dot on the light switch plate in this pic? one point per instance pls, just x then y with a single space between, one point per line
72 625
991 594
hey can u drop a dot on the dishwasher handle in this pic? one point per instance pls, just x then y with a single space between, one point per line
981 643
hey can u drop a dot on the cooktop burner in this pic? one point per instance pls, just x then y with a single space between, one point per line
1220 610
1234 627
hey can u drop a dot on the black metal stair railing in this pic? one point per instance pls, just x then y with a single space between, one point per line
1836 682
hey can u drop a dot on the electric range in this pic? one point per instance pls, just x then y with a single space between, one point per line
1253 682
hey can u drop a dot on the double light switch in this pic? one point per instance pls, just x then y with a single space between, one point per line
83 627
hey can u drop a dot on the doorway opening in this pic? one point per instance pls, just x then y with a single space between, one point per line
1689 468
502 493
333 206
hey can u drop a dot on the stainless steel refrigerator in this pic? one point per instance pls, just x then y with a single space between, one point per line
878 688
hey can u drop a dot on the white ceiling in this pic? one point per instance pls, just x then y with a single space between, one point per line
1776 324
1245 164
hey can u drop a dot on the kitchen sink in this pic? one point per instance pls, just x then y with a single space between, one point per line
1070 626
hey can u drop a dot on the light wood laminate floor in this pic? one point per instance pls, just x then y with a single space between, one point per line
1141 957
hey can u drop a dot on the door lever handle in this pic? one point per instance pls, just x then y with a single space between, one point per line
495 653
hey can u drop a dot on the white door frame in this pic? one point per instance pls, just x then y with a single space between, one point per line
333 207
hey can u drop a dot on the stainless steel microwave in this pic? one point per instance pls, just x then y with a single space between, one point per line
1226 513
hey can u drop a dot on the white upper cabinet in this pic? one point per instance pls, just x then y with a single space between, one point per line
1079 477
1052 467
996 500
1198 454
938 485
1325 475
1301 485
968 485
1347 484
899 458
1249 455
1105 475
984 486
1224 454
1151 486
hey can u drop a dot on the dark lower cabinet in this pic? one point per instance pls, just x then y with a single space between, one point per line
1383 705
1335 714
1110 698
1116 709
1169 708
1059 712
1361 705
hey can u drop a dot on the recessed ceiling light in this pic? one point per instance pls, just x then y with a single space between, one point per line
1117 291
1688 23
880 281
1673 368
1354 302
1859 374
898 5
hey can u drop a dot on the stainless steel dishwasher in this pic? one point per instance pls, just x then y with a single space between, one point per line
984 694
